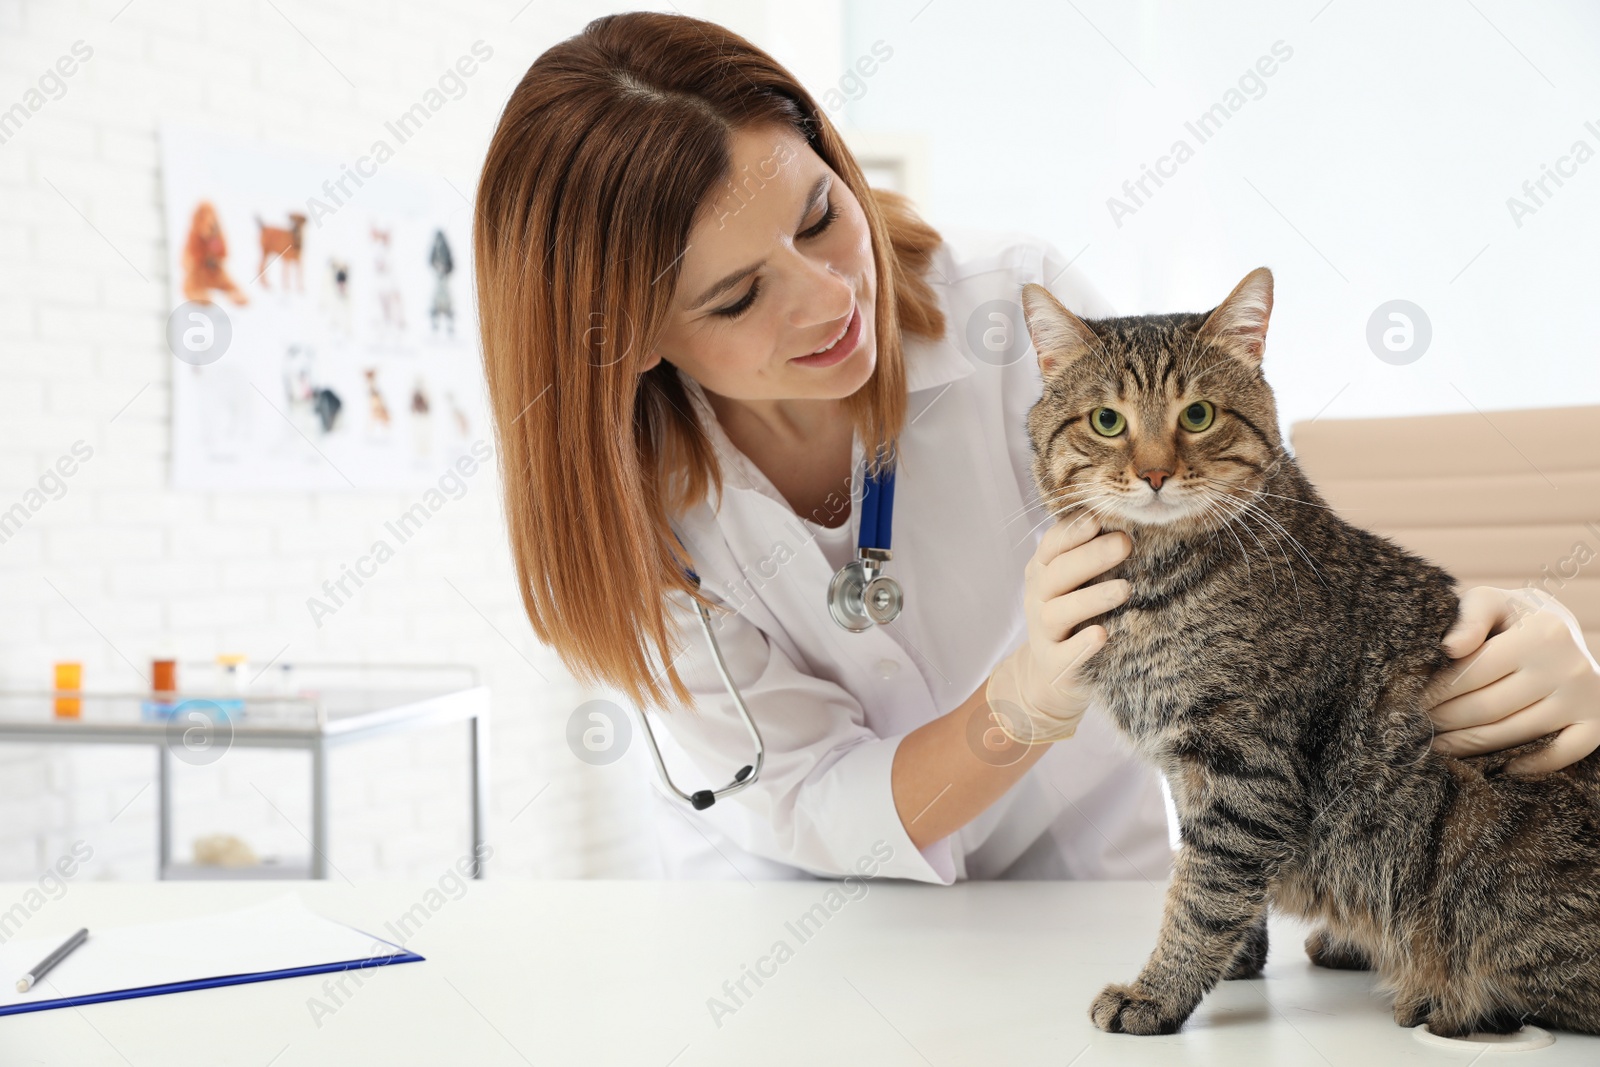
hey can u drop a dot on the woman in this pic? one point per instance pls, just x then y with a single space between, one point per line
685 285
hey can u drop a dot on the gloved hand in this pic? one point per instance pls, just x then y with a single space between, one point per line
1521 672
1036 694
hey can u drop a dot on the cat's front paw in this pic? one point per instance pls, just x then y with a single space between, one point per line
1129 1009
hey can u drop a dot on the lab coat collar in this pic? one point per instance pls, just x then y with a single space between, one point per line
929 365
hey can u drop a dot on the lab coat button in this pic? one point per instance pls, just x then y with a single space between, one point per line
887 667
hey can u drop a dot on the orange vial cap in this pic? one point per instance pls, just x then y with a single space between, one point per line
69 683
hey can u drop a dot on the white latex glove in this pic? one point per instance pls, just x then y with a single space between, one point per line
1036 695
1521 671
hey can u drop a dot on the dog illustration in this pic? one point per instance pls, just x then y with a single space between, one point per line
311 406
336 302
283 245
390 305
458 413
379 409
203 254
421 419
440 260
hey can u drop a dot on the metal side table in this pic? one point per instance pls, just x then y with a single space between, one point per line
325 706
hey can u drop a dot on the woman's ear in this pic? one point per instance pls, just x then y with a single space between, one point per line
655 357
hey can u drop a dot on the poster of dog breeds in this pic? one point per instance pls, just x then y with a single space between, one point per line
344 355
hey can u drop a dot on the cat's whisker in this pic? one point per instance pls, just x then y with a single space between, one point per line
1247 503
1212 500
1278 540
1269 517
1220 527
1288 564
1105 509
1099 506
1244 553
1024 509
1020 512
1298 547
1238 515
1053 506
1053 516
1244 517
1297 500
1058 496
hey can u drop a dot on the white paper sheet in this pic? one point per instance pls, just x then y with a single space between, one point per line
278 935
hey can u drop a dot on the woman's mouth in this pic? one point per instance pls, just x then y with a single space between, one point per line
842 346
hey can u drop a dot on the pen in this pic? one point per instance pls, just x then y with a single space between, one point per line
42 968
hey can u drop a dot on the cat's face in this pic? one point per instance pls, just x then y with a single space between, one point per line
1153 421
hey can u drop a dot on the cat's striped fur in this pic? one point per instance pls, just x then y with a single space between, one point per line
1270 660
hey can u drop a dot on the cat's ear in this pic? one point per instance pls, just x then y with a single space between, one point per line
1239 323
1059 336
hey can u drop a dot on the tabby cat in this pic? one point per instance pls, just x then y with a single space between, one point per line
1270 660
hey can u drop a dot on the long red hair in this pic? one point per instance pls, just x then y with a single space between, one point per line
601 159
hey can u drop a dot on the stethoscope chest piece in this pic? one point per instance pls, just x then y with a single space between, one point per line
860 596
884 599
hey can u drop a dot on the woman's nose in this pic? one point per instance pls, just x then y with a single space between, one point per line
826 299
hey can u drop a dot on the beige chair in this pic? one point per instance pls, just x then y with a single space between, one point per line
1503 498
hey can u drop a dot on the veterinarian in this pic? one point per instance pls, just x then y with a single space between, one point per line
682 276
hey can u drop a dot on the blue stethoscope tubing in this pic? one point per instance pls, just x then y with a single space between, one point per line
877 511
859 596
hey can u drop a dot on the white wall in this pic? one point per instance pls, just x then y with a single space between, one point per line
1390 141
119 563
1375 164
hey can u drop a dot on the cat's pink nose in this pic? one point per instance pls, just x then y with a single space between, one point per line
1155 478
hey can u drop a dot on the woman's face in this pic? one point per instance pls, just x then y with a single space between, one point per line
779 265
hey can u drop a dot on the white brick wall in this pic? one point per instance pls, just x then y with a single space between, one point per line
121 563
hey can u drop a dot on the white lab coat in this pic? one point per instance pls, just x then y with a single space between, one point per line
833 705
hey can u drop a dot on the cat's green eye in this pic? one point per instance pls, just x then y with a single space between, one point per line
1107 422
1197 416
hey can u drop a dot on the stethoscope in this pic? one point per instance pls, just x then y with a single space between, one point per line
859 596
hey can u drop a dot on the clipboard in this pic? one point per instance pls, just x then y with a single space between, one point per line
280 938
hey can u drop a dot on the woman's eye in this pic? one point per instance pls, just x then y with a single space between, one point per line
733 311
824 222
1107 422
1197 416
